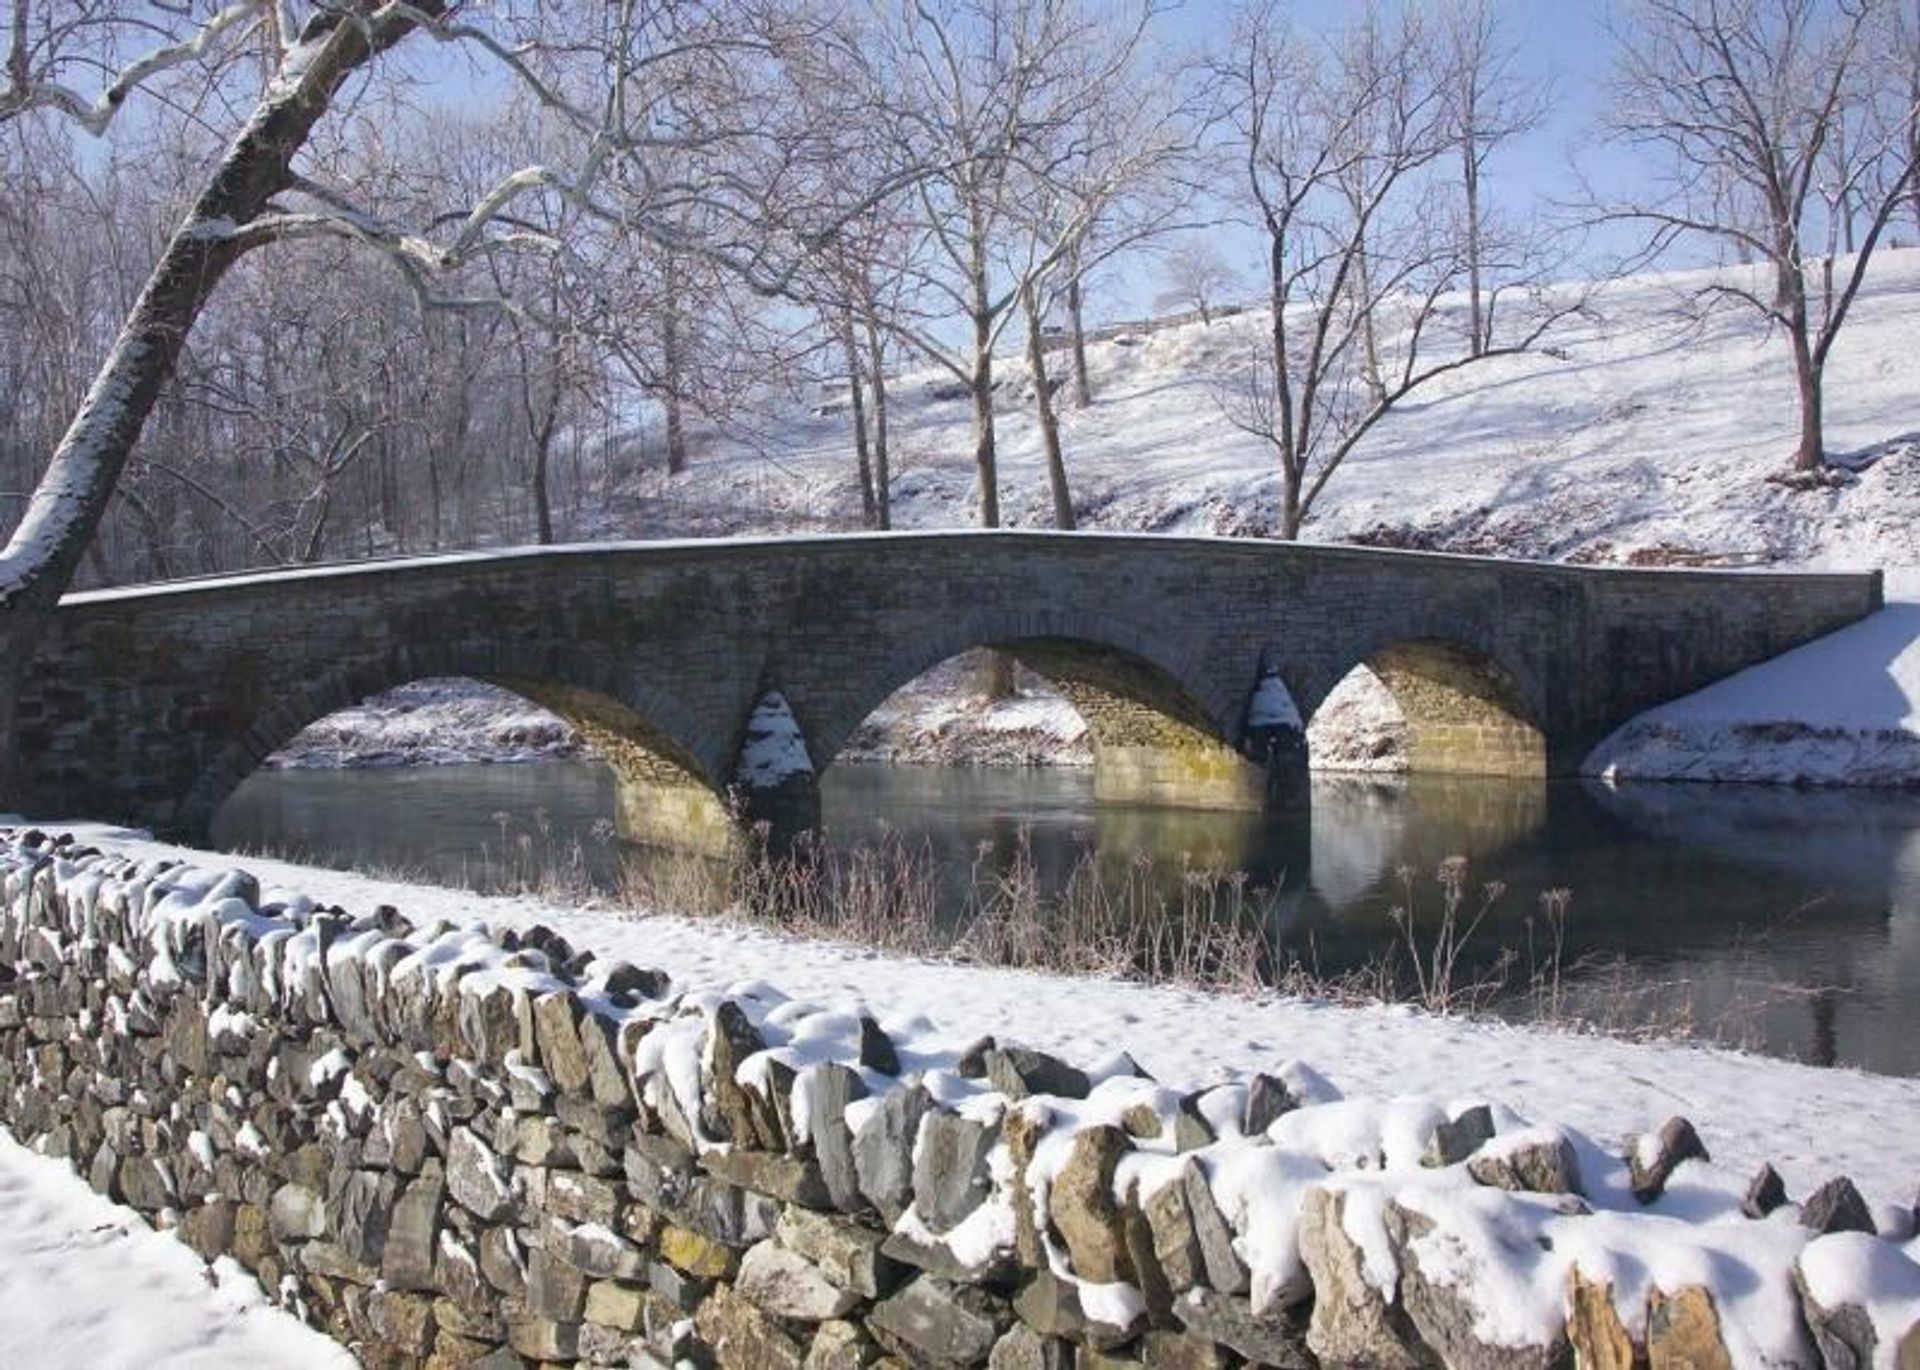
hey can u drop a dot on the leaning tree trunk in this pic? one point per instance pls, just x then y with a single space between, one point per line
985 458
542 467
1280 420
1476 311
1913 135
73 493
673 365
1811 453
996 672
1076 327
1292 516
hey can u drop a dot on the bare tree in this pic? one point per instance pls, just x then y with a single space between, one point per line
1766 95
982 93
72 495
1491 103
1198 276
860 309
1109 170
1896 80
1137 171
1339 141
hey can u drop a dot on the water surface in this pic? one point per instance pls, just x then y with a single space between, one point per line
1782 920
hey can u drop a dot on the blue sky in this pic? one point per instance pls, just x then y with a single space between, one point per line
1564 43
1561 43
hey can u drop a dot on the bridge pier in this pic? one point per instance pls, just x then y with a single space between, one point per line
1184 774
683 816
1152 744
661 796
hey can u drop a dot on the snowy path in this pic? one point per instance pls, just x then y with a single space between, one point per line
86 1283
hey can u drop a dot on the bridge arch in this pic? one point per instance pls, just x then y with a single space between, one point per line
1165 730
1465 713
663 786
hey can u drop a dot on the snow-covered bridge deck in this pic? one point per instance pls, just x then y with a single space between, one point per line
150 704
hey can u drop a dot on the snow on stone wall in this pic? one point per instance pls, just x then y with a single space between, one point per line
445 1144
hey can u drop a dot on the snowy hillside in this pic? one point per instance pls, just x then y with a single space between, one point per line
1645 434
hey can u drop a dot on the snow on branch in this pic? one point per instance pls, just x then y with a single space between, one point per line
24 91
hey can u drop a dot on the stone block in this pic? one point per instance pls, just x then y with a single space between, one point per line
697 1254
616 1304
413 1236
845 1252
1082 1209
841 1346
296 1214
950 1177
883 1150
743 1337
556 1290
931 1321
790 1179
788 1286
543 1339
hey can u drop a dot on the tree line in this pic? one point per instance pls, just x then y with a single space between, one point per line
292 280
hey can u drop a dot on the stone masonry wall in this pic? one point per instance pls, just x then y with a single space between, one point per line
451 1147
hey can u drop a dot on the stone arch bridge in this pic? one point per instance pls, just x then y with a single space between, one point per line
149 705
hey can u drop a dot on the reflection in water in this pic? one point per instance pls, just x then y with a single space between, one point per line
1783 920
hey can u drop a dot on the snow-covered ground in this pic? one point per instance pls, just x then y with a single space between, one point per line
1643 435
432 722
85 1282
941 719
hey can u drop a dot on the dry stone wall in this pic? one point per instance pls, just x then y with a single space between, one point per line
448 1146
